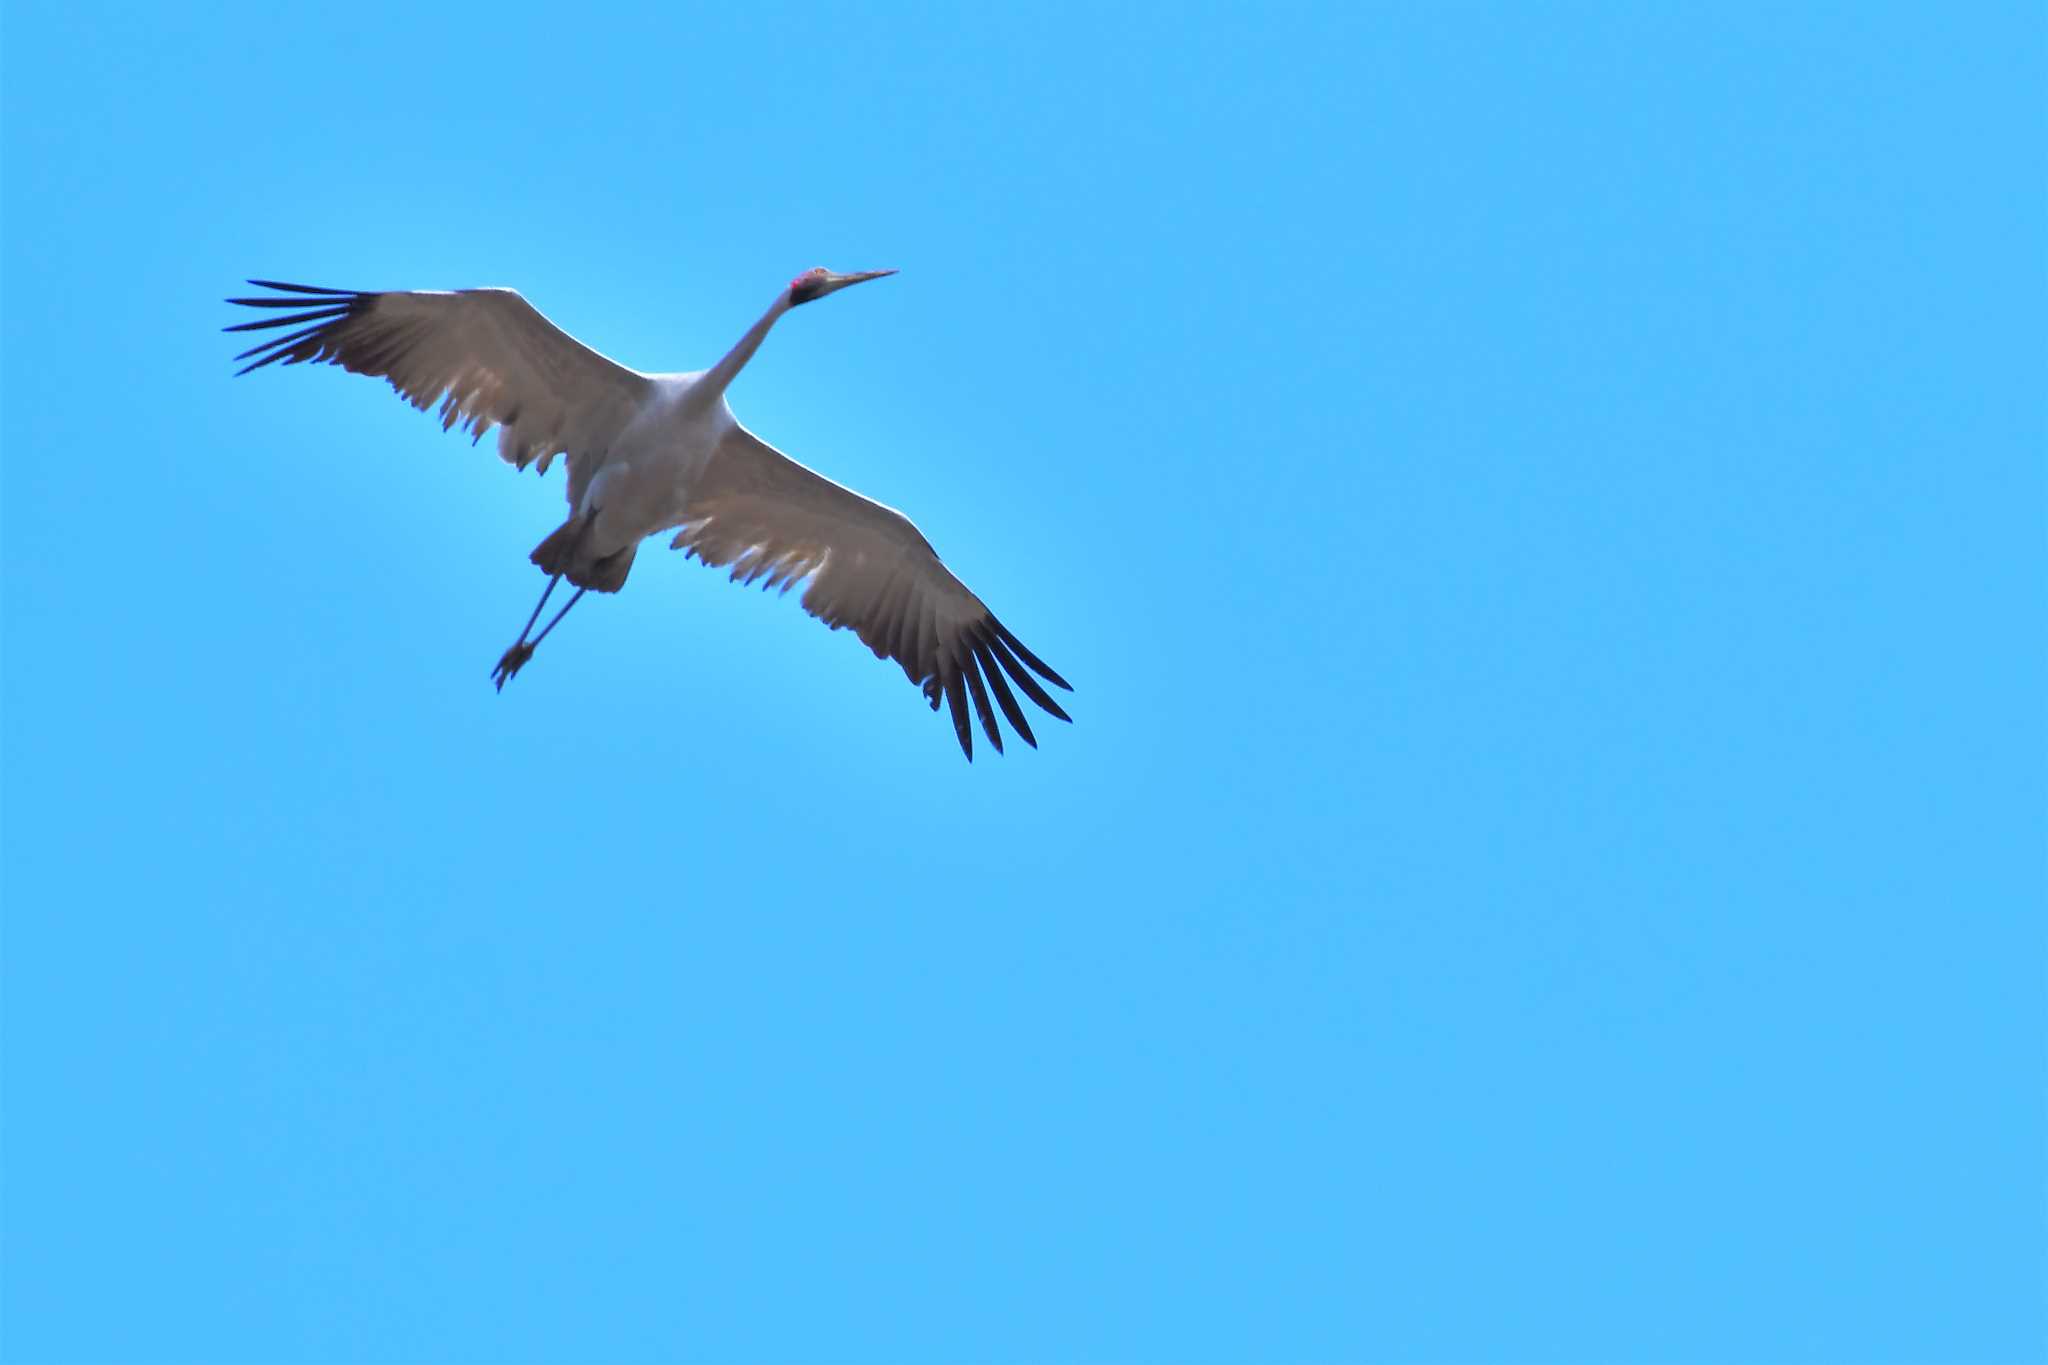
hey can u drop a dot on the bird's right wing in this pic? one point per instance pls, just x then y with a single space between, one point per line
487 356
870 570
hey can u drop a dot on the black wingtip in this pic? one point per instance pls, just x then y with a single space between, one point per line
956 702
315 312
1020 674
286 303
1005 698
265 323
979 692
1038 665
303 288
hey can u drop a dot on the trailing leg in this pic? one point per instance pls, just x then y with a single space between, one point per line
555 554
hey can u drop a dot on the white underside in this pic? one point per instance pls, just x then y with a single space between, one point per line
642 483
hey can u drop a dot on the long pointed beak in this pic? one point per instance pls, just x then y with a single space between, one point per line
832 282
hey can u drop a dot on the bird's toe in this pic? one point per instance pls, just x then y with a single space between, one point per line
511 662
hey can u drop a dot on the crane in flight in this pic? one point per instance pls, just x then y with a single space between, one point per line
648 453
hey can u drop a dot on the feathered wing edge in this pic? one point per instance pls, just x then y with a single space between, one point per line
339 329
969 668
504 373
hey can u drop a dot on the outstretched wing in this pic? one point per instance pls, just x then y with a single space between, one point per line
869 569
487 356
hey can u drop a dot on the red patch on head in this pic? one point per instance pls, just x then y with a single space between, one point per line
815 272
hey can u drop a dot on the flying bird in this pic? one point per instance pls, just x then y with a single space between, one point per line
649 453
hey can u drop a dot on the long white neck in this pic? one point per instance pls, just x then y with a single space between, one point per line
725 371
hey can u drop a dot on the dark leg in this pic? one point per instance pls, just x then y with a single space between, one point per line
522 649
546 593
535 644
510 662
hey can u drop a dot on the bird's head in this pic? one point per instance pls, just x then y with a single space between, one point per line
817 282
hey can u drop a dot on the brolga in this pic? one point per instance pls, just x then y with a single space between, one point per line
649 453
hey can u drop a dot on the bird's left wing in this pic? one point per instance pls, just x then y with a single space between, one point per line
869 569
487 356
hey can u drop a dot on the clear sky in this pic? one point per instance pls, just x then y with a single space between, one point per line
1543 507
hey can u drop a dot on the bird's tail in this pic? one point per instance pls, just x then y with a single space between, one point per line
561 554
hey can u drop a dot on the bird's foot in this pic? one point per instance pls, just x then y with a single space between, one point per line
515 659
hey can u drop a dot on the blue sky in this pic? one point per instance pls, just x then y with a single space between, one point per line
1542 506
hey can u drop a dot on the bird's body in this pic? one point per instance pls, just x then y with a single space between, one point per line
642 484
649 453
